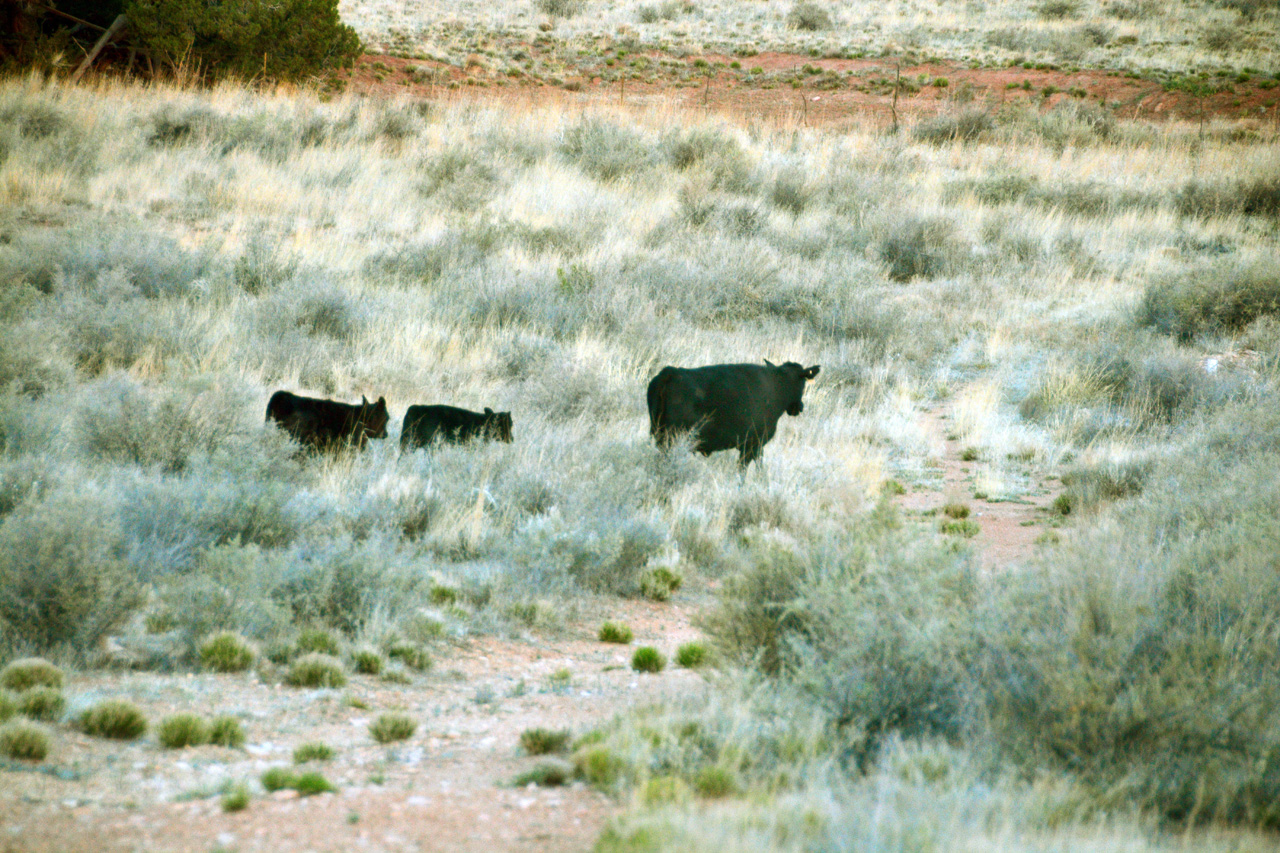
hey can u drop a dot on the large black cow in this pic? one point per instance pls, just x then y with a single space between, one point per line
728 405
424 424
326 424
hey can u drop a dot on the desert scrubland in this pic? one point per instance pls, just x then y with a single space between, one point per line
1084 311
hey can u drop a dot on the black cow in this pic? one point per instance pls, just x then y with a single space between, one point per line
325 424
424 424
728 405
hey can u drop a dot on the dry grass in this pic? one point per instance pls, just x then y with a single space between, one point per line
1126 33
172 257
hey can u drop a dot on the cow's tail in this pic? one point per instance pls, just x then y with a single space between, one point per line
658 403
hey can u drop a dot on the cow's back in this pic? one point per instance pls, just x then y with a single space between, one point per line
423 424
728 404
325 423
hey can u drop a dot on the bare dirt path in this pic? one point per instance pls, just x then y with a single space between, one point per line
448 788
810 91
1008 530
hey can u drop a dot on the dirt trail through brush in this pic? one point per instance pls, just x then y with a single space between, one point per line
447 788
1007 529
809 91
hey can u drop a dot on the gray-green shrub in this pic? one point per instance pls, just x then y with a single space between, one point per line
871 620
1251 197
65 582
605 151
1221 296
809 16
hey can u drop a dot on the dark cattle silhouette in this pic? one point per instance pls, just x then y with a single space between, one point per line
728 405
424 424
326 424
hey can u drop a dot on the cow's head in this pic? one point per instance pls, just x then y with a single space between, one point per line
499 424
373 419
793 377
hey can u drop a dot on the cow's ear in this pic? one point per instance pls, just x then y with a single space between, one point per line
770 363
364 401
488 411
382 402
811 372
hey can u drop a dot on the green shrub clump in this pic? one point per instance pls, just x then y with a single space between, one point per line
659 583
252 39
226 651
546 774
24 741
226 731
648 659
25 673
714 782
692 655
600 766
543 741
42 703
236 798
412 656
114 718
278 778
313 751
367 661
316 670
8 705
966 527
317 640
389 728
182 730
312 783
611 632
